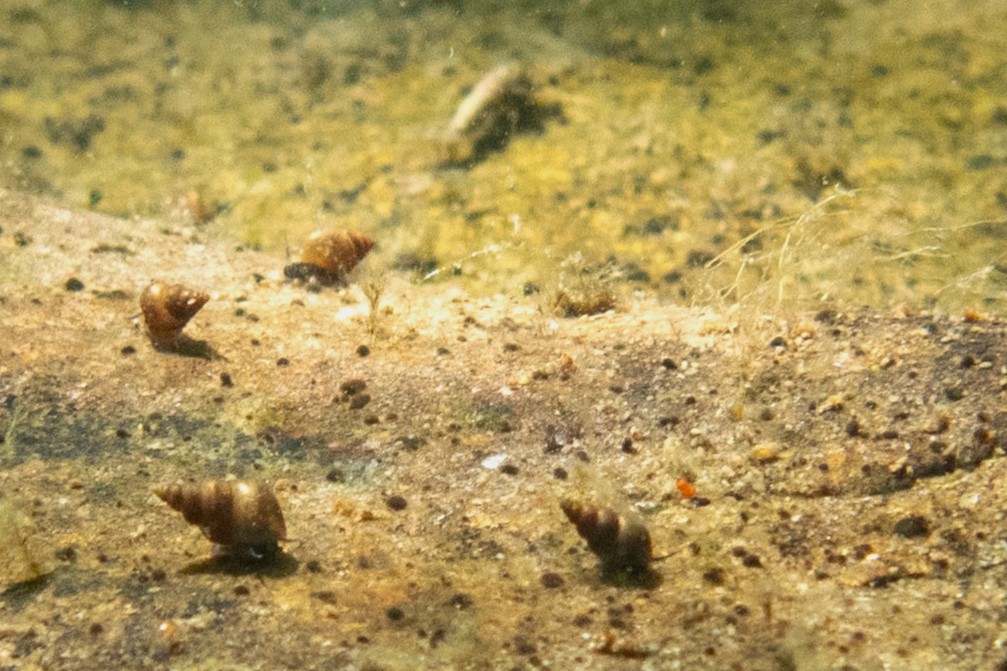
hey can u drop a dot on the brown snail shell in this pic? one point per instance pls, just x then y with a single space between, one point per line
241 515
335 254
620 544
167 308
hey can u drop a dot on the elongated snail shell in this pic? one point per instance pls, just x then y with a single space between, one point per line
241 515
620 544
336 253
167 308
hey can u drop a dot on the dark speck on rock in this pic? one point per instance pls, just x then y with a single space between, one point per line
73 284
912 526
552 580
396 502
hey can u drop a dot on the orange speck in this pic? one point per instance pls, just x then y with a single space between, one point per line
685 488
972 316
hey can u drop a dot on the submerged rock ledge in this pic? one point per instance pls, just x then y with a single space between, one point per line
842 502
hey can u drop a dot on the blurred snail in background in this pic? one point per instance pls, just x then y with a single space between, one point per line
329 257
167 308
242 517
620 544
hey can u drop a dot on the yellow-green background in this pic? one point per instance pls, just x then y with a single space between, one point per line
866 140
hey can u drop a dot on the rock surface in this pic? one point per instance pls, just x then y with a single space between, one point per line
841 470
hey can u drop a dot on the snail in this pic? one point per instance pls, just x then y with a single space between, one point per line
500 104
167 308
621 545
329 257
242 517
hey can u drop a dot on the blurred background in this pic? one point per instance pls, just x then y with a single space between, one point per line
795 155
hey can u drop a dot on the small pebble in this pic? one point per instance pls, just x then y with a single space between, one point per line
552 580
358 401
73 284
912 526
396 502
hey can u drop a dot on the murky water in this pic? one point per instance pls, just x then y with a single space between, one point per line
815 152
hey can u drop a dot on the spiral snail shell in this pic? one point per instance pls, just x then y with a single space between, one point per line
167 308
242 516
620 544
330 256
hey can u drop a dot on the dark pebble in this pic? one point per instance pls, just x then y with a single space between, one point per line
225 380
127 350
396 502
335 475
395 614
352 386
73 284
358 401
363 350
714 576
325 596
509 469
912 526
461 600
241 590
67 553
552 580
283 361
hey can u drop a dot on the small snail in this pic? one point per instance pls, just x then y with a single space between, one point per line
167 308
620 544
242 517
329 257
501 104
